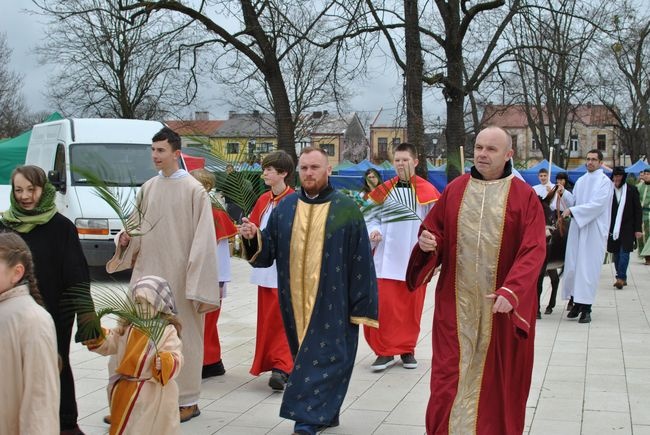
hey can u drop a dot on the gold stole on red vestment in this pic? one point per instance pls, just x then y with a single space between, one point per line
480 232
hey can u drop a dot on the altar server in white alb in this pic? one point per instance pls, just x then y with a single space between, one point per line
587 241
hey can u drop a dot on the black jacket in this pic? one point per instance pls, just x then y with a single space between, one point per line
630 223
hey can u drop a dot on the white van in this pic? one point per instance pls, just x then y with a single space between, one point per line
117 149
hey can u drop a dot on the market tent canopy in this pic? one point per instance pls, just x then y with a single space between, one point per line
343 165
530 174
578 172
360 168
636 168
14 150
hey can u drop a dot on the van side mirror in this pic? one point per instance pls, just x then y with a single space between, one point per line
55 178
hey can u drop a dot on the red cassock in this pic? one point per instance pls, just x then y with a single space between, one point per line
225 229
490 239
271 344
400 311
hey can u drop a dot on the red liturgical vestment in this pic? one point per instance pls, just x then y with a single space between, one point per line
490 239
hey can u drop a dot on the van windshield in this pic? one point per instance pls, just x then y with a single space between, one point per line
117 164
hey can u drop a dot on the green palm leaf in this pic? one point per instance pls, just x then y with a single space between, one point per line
399 204
114 301
242 187
131 215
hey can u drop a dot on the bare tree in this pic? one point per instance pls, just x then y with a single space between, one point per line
108 65
624 77
441 37
312 79
262 33
12 104
554 49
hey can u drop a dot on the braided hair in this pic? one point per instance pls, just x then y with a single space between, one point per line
13 251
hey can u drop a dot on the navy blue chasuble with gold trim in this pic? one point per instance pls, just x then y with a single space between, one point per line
327 287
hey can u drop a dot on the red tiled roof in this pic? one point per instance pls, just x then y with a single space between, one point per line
199 128
505 116
513 116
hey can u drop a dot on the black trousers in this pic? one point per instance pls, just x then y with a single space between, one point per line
68 405
555 283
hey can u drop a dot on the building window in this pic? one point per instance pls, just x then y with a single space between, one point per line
382 146
232 148
265 147
514 137
573 143
601 142
396 141
328 148
533 145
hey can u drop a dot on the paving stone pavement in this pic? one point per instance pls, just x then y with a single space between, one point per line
587 379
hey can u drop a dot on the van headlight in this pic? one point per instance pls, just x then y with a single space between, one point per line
95 227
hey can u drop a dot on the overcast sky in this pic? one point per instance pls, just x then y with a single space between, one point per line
24 32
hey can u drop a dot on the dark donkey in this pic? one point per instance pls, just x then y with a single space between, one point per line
557 230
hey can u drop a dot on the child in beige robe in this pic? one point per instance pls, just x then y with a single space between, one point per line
143 392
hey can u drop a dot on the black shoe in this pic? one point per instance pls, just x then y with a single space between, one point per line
585 318
382 363
569 304
216 369
539 314
409 361
548 310
278 380
575 312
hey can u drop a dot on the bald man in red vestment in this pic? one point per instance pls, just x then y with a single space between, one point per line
487 235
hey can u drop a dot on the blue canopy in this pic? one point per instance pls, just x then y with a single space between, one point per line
360 168
530 174
636 168
352 182
578 172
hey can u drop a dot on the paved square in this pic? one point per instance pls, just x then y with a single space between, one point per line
587 379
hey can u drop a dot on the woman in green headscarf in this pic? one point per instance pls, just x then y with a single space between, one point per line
60 266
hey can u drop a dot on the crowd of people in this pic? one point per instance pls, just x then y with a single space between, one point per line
324 263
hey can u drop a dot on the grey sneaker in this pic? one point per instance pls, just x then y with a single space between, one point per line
409 361
382 363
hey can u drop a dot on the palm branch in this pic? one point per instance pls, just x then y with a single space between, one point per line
114 301
242 187
130 214
399 205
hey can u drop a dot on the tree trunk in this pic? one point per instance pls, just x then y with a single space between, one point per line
455 98
413 83
282 111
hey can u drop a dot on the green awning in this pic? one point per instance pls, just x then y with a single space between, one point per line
14 150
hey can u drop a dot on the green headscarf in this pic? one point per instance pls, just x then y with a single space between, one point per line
23 221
